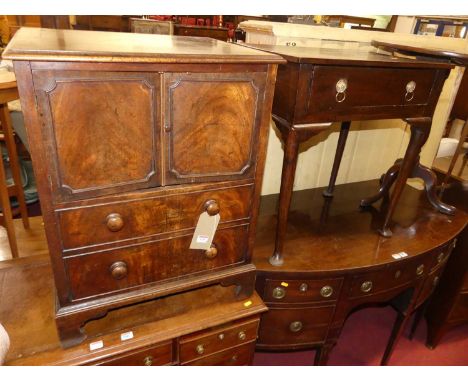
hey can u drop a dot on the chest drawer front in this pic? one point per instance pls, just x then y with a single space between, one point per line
133 266
212 125
158 355
301 291
335 91
146 216
217 339
394 276
100 130
236 356
430 284
285 327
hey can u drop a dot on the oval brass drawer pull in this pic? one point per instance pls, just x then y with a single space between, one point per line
118 270
295 326
114 222
200 349
148 361
326 291
279 293
397 274
420 270
366 286
440 257
241 336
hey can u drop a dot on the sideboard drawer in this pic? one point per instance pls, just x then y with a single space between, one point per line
158 355
127 267
149 215
236 356
216 339
430 284
396 275
344 90
295 326
297 291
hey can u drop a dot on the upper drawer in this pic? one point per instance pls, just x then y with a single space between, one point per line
211 121
301 291
100 131
333 93
148 215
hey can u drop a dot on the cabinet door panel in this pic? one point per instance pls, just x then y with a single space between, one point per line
101 131
211 123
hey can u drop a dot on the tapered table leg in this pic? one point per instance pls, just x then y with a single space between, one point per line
291 150
338 156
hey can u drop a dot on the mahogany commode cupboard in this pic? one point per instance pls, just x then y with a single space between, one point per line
132 137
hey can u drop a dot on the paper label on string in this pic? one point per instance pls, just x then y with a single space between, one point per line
204 231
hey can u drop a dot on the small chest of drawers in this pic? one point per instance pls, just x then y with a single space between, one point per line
132 138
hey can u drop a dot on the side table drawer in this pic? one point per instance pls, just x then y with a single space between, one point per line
294 326
429 285
297 291
213 340
158 355
236 356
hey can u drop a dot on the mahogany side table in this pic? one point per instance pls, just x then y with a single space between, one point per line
319 86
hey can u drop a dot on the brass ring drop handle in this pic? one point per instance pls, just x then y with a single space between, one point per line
295 326
366 286
420 270
114 222
340 88
118 270
279 293
211 252
410 88
212 207
148 361
326 291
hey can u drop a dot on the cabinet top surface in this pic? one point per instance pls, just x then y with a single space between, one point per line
41 44
347 56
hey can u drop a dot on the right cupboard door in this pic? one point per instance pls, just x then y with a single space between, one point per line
211 123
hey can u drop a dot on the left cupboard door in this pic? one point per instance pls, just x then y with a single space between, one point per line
101 131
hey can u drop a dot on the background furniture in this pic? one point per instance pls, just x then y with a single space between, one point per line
117 234
336 264
208 326
151 26
9 92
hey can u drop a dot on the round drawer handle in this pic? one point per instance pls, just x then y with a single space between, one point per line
420 270
148 361
295 326
114 222
410 87
279 293
241 336
303 287
212 207
221 336
118 270
435 281
366 286
211 252
440 257
200 349
326 291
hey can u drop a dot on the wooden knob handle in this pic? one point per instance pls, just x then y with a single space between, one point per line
212 207
211 252
118 270
114 222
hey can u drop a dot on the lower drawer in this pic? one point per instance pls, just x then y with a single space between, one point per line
236 356
289 327
158 355
123 268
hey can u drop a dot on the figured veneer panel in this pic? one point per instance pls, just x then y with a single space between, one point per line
100 128
91 274
211 125
148 215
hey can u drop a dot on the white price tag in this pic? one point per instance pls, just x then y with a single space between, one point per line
96 345
126 336
399 255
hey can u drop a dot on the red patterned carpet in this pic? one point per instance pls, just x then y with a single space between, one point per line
363 341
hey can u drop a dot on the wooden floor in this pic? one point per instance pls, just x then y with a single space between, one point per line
31 242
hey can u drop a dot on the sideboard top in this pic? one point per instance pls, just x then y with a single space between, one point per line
347 56
40 44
